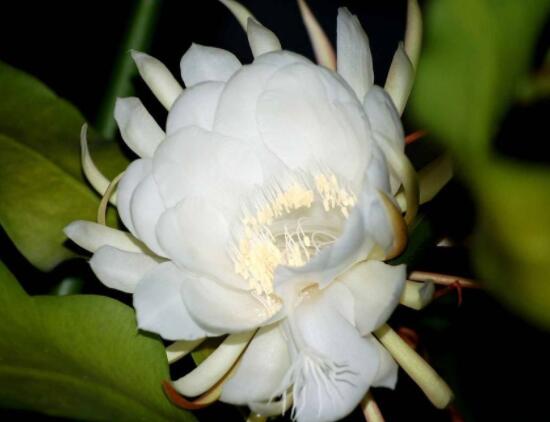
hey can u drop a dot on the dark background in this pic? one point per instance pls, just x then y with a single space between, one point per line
495 362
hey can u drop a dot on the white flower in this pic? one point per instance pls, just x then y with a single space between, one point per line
267 203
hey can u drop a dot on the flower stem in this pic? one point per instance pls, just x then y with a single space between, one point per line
137 37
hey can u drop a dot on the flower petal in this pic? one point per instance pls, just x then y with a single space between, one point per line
92 236
158 78
377 288
137 127
267 354
334 366
240 12
146 207
203 64
261 39
307 116
400 79
134 174
160 308
195 235
244 89
354 60
384 117
196 106
220 308
194 162
119 269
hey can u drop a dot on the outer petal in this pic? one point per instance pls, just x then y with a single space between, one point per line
146 207
383 116
335 366
261 39
196 106
268 355
195 234
121 270
221 309
160 308
400 79
137 127
134 174
377 288
202 64
354 60
92 236
158 78
307 116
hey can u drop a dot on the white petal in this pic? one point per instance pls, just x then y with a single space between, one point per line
261 39
205 64
400 79
386 376
146 207
158 78
137 171
195 234
335 366
413 33
383 116
220 308
196 106
377 288
354 60
98 181
322 48
307 115
181 348
119 269
244 89
91 236
268 355
240 12
159 307
137 127
194 162
219 363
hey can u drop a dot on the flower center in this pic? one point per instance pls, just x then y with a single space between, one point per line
289 224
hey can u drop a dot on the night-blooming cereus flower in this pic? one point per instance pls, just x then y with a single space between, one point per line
264 210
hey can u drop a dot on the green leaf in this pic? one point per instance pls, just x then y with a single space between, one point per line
475 61
41 184
79 357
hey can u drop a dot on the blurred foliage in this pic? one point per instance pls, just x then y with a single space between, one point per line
476 57
80 357
41 182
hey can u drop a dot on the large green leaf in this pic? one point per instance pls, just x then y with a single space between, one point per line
80 357
476 57
41 184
